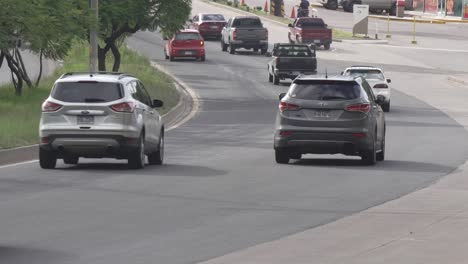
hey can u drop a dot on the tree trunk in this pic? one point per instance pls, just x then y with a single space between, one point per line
117 57
22 69
40 68
2 56
101 59
18 83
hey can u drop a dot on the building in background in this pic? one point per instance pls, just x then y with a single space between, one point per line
455 8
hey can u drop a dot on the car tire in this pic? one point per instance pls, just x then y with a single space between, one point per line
263 51
296 156
224 47
202 58
71 160
381 155
392 10
326 46
171 58
276 80
165 55
47 159
137 158
255 50
281 157
369 157
386 107
332 5
270 77
290 40
157 158
232 50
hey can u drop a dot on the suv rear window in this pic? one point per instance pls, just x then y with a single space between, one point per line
367 74
326 90
292 51
213 17
247 22
187 36
87 92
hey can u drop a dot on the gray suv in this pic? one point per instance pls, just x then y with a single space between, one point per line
100 115
323 115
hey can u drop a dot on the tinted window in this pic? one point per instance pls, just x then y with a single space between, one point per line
368 74
247 22
143 94
311 23
187 36
326 90
212 18
293 51
87 92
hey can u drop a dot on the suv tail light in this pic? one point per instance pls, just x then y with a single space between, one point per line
127 107
381 85
234 34
285 106
202 43
363 108
48 106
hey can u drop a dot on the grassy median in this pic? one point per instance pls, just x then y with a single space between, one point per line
19 115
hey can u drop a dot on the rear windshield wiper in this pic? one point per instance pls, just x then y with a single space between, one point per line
334 98
93 100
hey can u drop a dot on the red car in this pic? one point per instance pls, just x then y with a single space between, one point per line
185 44
307 30
209 25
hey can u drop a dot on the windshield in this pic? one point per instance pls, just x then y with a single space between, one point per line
367 74
293 51
187 36
247 22
326 90
213 17
87 92
310 23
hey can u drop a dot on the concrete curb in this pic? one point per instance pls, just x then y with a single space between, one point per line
186 108
408 20
374 41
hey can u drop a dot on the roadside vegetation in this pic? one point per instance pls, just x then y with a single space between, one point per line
19 115
338 34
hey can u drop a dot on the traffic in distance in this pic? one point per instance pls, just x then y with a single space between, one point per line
111 115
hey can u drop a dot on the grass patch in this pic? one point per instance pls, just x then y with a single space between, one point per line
19 116
338 34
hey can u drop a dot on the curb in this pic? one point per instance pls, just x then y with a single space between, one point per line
378 41
186 108
408 20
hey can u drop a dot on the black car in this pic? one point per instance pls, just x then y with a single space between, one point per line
290 61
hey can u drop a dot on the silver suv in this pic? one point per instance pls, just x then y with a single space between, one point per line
330 115
100 115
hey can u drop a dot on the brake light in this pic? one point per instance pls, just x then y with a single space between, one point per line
285 106
202 43
234 34
381 85
359 135
48 106
127 107
363 108
285 133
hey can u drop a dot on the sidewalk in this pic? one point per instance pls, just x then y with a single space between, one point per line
429 226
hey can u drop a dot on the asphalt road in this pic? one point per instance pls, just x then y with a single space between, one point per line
220 190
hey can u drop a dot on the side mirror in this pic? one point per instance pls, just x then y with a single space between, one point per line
158 103
380 100
389 80
268 54
281 96
290 25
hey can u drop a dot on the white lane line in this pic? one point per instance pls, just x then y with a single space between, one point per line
18 164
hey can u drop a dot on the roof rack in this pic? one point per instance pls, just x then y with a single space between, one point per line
120 74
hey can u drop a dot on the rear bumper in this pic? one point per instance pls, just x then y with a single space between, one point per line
188 52
210 33
323 143
250 44
91 146
317 42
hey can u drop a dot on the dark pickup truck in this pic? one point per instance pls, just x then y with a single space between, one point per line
310 30
291 60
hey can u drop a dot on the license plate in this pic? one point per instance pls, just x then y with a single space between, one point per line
85 120
316 41
189 53
322 114
214 27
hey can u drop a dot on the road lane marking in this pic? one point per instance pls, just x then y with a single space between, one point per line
18 164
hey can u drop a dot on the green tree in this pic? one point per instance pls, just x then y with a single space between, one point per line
119 19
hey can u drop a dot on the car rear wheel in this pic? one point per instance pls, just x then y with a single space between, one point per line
165 55
157 158
386 107
263 51
332 4
381 155
47 159
270 77
296 156
71 160
137 158
281 157
369 157
232 50
326 46
171 58
224 47
203 58
276 80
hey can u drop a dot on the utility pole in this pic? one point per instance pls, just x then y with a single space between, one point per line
93 36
